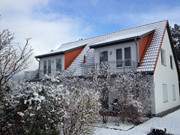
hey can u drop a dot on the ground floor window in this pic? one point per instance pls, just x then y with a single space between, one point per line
165 93
173 92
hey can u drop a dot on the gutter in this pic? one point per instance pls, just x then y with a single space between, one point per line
120 40
114 42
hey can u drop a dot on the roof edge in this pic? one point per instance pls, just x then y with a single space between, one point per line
173 51
120 41
57 53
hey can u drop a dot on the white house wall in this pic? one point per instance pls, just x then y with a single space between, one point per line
165 75
53 63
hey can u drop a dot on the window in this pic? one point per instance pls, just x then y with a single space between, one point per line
119 62
163 57
127 56
84 59
174 92
104 60
165 93
49 66
58 65
45 67
171 61
103 56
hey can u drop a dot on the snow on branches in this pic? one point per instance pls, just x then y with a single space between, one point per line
53 105
126 93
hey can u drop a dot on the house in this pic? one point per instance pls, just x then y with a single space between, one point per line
147 48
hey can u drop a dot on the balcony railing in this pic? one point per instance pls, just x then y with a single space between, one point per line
111 66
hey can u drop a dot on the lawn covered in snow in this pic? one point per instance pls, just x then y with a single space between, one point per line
171 122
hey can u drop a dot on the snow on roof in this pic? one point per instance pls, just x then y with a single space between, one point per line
122 36
149 61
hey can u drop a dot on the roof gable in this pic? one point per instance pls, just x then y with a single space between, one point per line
148 63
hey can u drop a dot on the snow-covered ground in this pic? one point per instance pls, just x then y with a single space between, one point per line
171 122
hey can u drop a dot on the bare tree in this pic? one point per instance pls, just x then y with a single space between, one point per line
13 59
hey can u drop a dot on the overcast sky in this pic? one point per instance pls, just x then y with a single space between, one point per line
52 22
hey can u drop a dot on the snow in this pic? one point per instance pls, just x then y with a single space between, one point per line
124 36
120 126
20 114
170 122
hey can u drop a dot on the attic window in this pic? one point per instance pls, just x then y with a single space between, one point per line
171 61
163 57
84 59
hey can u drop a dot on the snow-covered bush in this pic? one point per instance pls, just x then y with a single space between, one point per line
51 106
134 87
131 111
126 95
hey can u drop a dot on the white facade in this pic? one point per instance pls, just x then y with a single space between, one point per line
165 76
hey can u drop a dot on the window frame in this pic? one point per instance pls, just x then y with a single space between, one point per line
165 93
119 61
171 62
49 66
174 92
127 61
163 57
101 58
45 66
58 64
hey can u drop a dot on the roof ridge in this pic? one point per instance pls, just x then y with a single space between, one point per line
133 27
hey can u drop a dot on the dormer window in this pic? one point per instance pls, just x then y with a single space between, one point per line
104 57
58 65
49 66
127 56
45 67
119 62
